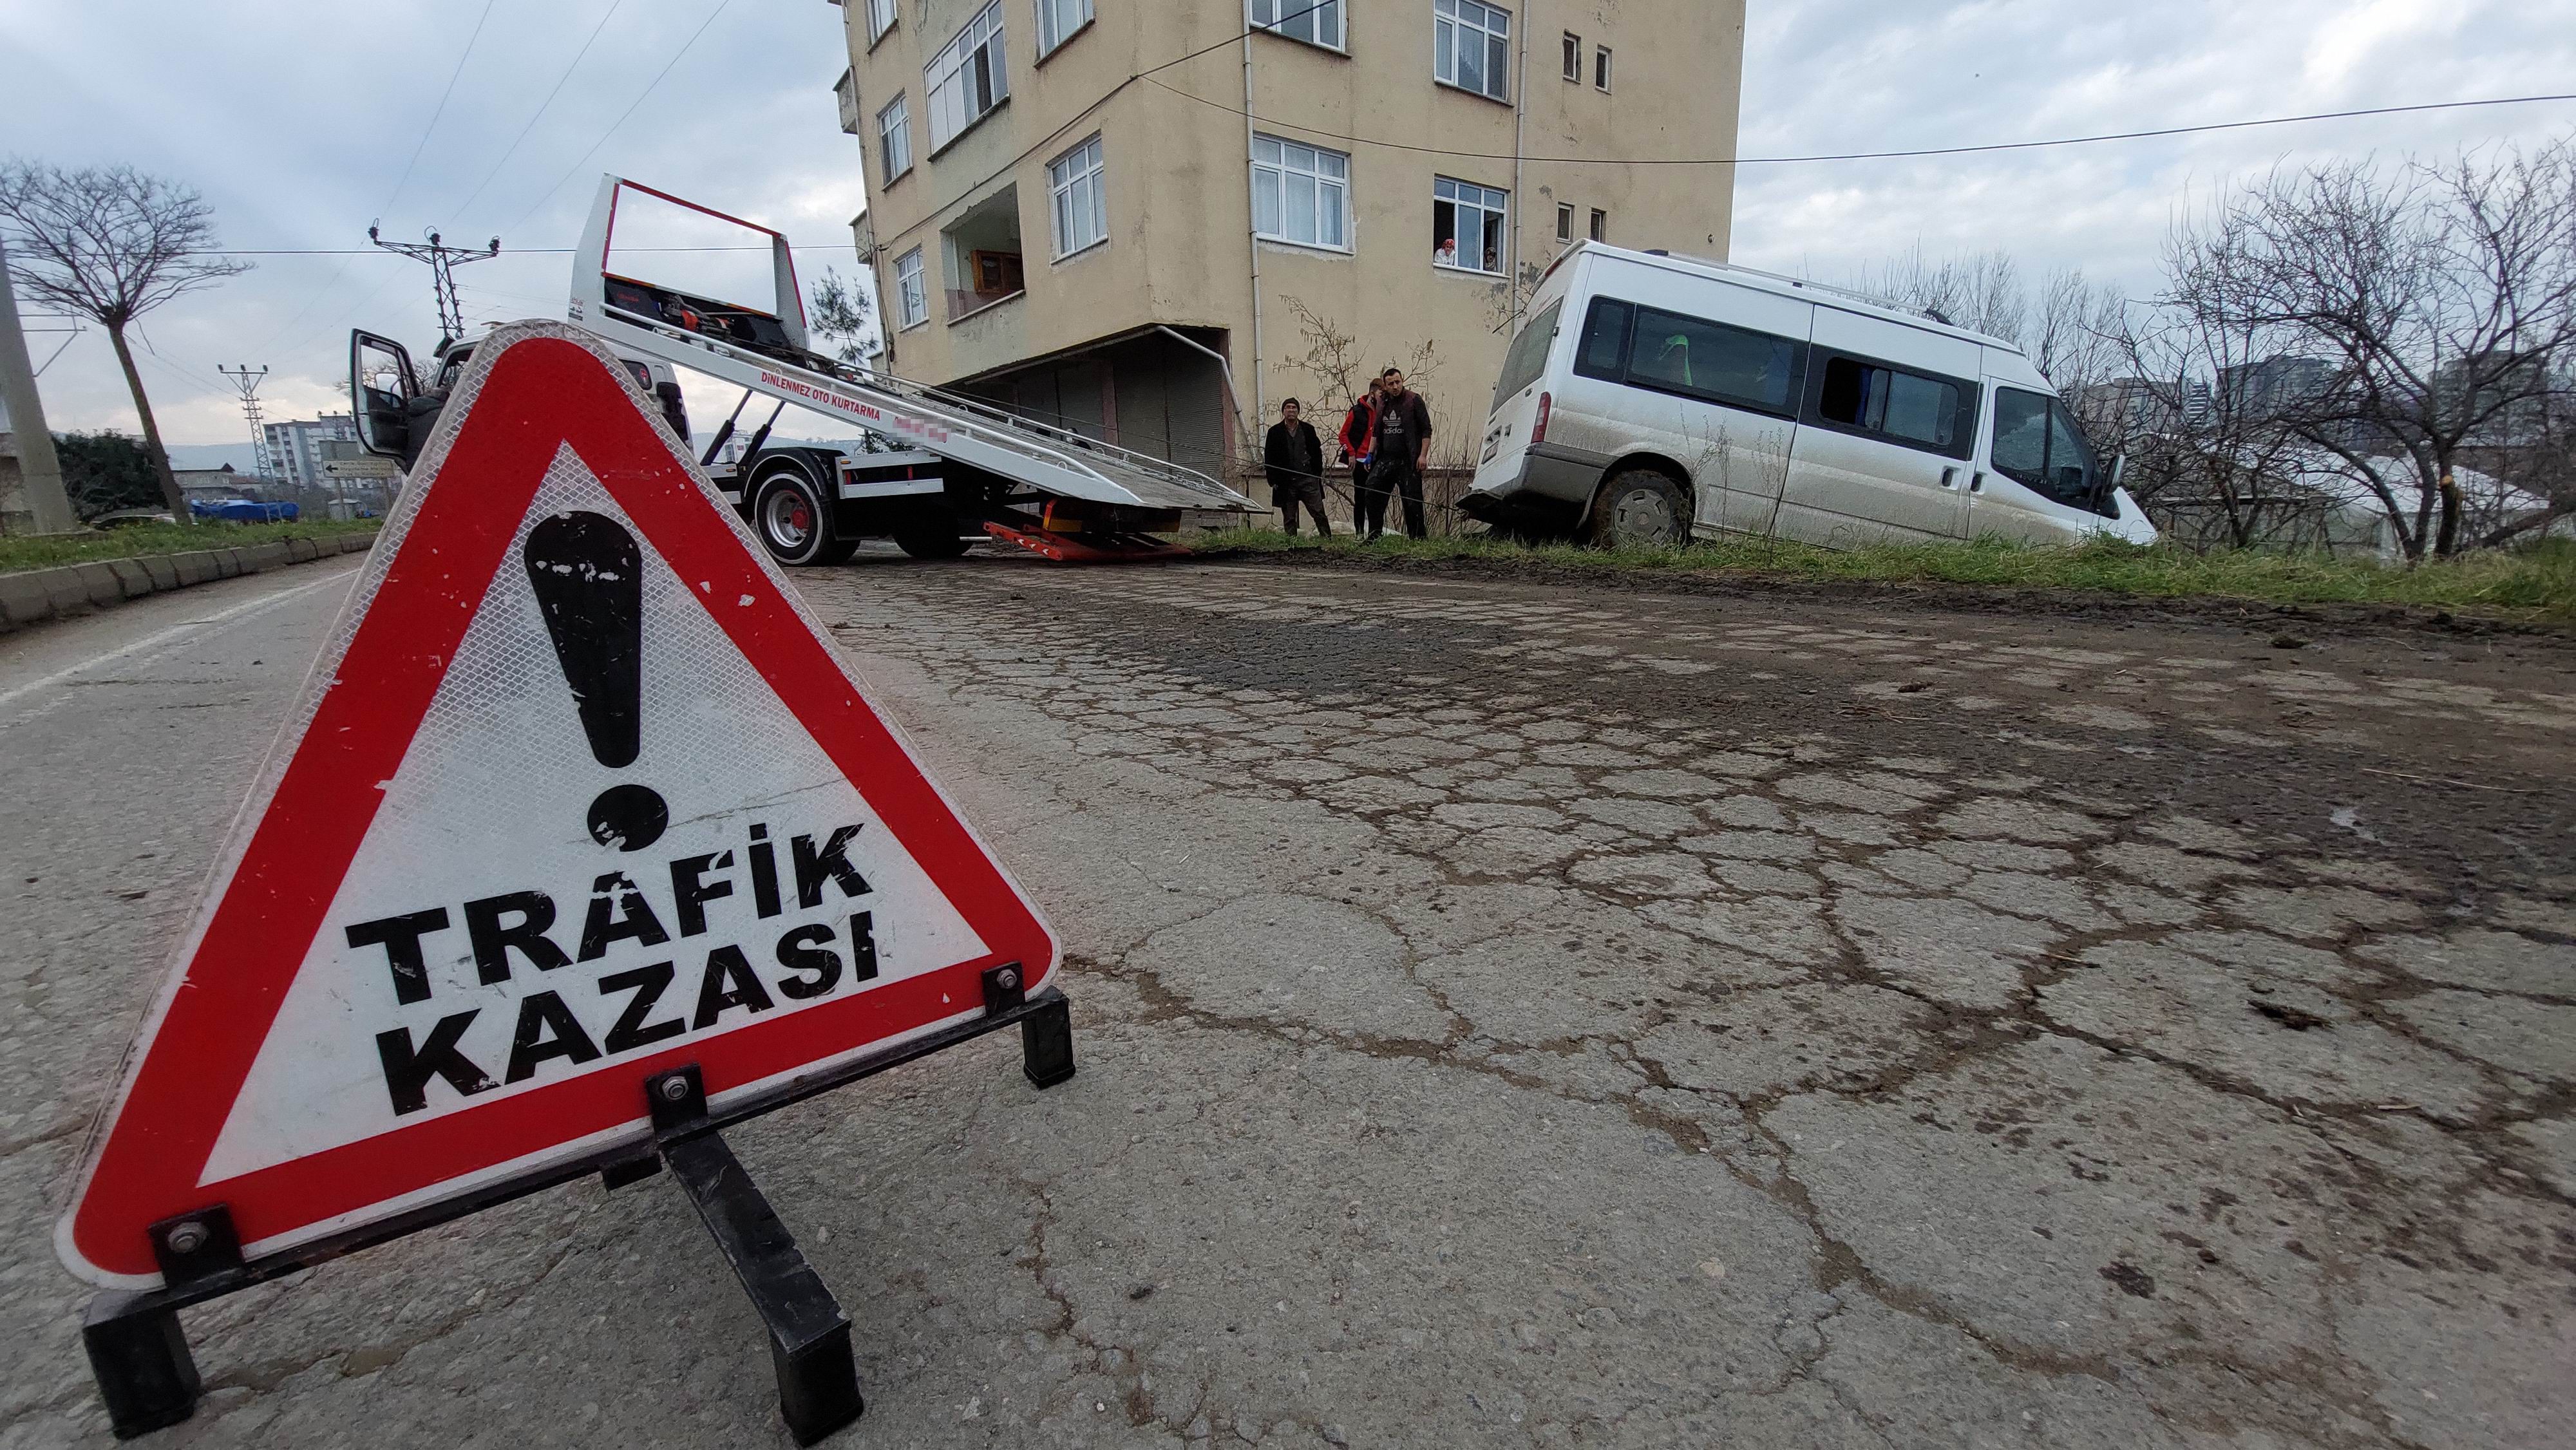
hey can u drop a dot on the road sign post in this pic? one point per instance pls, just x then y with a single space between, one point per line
566 663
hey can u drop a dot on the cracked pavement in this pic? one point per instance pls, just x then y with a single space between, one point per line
1518 1014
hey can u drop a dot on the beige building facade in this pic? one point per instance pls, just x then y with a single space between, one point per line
1061 221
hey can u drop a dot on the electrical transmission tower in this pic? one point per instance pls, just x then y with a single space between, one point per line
247 383
443 261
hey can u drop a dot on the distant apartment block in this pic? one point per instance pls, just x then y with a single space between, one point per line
1060 226
295 453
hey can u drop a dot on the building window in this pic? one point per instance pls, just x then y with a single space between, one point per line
1081 199
1565 222
1317 22
894 137
1467 225
1057 22
966 80
1573 56
880 19
1600 225
1471 47
1601 68
911 298
1300 193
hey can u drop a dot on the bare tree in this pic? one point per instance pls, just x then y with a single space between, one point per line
112 244
2443 293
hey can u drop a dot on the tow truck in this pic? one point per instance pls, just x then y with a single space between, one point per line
936 470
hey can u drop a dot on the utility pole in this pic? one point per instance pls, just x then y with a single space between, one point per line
247 383
443 261
40 472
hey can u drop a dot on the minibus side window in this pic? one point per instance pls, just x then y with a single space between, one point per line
1711 360
1913 409
1604 353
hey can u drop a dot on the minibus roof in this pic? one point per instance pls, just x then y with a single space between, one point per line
1823 294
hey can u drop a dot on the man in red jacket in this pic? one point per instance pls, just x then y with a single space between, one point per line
1359 441
1403 441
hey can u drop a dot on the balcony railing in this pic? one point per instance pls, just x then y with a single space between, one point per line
962 305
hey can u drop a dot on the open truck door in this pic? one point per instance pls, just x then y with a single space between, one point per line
384 386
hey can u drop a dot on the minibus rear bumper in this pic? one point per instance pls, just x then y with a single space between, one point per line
1551 490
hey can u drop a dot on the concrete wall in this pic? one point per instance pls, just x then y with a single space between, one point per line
1179 197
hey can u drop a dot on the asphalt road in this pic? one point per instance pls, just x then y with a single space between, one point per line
1508 1014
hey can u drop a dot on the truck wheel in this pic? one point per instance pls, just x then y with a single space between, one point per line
793 521
932 533
1639 509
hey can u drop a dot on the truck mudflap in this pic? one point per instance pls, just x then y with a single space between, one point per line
1068 533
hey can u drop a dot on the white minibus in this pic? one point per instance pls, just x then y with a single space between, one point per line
1651 398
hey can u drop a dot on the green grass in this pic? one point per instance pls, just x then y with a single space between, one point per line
46 551
2539 581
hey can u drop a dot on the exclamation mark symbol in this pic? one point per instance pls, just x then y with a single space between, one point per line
589 580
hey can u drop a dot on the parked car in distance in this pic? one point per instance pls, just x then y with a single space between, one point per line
1652 398
127 518
243 510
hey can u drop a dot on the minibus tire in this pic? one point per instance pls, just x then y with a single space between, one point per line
1639 509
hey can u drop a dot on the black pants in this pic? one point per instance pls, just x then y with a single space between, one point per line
1285 497
1368 501
1399 476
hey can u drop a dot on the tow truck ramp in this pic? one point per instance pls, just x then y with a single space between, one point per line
1050 490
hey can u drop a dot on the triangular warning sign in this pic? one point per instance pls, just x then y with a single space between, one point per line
578 792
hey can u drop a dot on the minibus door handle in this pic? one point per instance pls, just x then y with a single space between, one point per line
1977 483
1949 478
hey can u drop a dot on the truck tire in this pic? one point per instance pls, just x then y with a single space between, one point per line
932 533
1639 509
794 522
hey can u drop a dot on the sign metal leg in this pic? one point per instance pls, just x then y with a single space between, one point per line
139 1355
809 1335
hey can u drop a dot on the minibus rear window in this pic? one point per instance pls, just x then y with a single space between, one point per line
1528 357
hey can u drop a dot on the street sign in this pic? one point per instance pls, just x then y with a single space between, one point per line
366 466
578 794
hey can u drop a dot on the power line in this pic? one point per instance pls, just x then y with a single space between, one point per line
1355 140
513 148
331 283
441 108
548 194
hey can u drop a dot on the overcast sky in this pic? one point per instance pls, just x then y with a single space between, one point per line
297 118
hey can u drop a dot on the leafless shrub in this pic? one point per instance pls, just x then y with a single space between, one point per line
2442 295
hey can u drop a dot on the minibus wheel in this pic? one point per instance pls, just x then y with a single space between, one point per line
1640 509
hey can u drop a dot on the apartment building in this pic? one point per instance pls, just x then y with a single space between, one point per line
294 448
1064 221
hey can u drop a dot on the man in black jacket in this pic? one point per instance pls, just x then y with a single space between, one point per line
1294 457
1403 440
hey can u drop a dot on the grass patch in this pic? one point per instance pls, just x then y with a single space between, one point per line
46 551
2538 581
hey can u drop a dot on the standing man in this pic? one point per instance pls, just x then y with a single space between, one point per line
1294 457
1403 441
1359 441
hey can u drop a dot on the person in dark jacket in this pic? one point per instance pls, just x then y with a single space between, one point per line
1294 456
1359 442
1403 441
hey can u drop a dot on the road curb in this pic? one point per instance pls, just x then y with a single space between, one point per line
34 595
